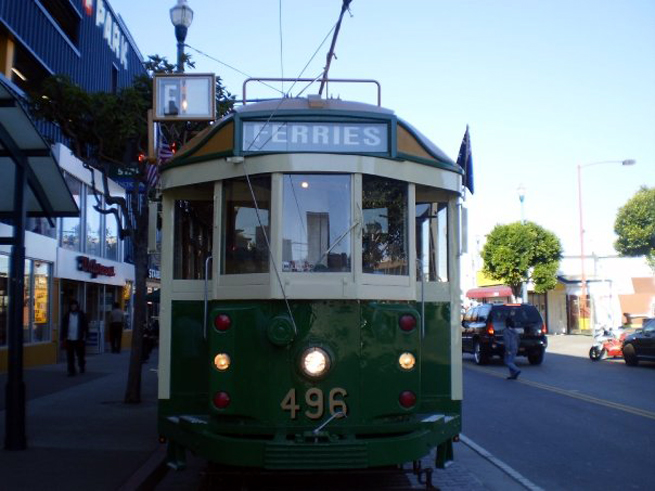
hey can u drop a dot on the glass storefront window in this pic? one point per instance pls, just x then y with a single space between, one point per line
93 225
70 226
193 238
316 223
111 237
4 298
27 301
244 246
432 241
42 280
384 231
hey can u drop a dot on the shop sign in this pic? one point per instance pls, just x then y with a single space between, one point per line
93 267
262 136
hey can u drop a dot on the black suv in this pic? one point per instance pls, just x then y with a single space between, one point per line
482 331
640 345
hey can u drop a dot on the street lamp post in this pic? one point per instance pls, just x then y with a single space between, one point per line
181 17
524 289
583 279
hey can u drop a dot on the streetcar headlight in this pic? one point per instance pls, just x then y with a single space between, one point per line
222 361
407 361
315 362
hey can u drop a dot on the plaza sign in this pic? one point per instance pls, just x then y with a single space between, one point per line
262 136
111 29
184 97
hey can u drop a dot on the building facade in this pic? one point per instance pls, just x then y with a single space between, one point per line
81 258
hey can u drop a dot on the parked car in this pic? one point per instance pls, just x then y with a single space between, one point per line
640 345
482 331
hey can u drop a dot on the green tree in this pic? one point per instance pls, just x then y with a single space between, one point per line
518 252
635 226
110 131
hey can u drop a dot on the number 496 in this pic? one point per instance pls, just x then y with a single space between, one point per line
315 401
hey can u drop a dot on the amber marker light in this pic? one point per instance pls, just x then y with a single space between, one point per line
222 361
407 361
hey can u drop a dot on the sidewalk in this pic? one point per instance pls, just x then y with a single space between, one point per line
81 436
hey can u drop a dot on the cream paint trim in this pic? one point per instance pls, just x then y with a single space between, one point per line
164 374
456 378
404 170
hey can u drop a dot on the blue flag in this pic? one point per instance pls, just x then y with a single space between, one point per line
465 160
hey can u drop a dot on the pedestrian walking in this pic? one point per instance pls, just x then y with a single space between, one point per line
116 319
74 331
511 339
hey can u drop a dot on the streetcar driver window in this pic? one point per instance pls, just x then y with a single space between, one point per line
432 241
245 225
317 223
192 240
384 227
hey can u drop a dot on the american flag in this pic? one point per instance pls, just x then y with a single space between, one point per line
164 154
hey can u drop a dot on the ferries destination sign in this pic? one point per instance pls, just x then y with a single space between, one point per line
260 136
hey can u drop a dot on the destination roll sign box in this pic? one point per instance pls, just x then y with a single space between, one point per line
260 136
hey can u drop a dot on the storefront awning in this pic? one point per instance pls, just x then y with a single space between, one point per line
22 145
489 292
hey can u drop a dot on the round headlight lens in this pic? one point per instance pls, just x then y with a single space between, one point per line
222 361
407 361
315 362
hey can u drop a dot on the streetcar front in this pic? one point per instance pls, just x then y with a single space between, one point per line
310 290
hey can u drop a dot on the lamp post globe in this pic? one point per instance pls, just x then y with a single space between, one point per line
181 17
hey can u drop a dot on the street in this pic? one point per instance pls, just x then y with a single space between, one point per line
568 424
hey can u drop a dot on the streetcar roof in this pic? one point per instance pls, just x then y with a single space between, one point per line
219 140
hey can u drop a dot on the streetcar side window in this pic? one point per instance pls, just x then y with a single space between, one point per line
432 241
192 240
316 223
384 227
246 225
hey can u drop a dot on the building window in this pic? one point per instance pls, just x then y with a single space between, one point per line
111 237
93 224
26 71
64 16
384 231
244 246
193 238
114 79
316 223
70 226
40 225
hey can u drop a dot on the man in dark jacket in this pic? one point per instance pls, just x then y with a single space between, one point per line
74 331
511 339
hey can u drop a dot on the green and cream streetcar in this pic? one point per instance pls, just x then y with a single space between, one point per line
310 301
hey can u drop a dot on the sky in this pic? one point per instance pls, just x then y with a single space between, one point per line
544 85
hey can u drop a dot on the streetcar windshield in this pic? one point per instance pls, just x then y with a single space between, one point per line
384 231
316 230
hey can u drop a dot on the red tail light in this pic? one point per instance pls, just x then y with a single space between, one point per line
490 329
221 400
407 399
407 322
222 322
544 329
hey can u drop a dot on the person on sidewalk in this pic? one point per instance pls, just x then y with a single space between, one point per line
511 339
74 331
116 318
